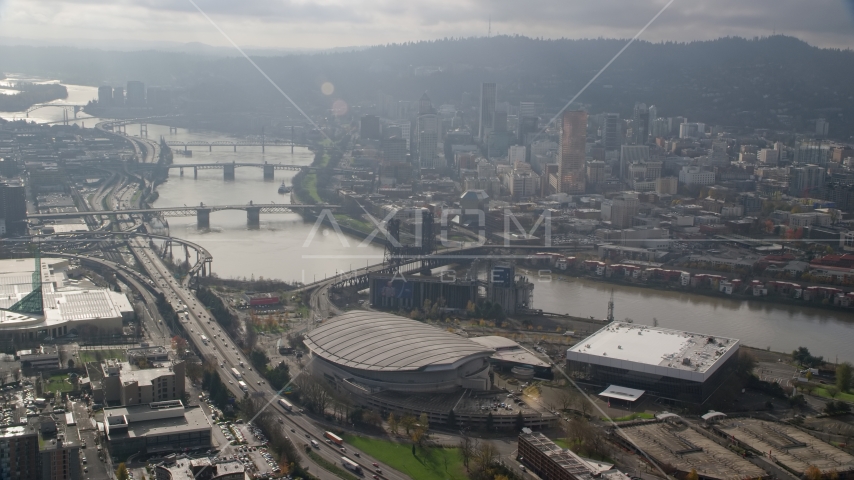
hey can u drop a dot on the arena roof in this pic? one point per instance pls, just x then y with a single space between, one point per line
383 342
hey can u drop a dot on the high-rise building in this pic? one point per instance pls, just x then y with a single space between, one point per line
821 127
769 156
640 124
517 153
630 154
611 131
19 452
105 95
13 207
573 139
425 106
500 123
806 179
527 109
488 96
596 172
428 140
623 210
394 150
369 127
653 112
136 94
527 126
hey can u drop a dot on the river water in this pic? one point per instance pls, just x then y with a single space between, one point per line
283 247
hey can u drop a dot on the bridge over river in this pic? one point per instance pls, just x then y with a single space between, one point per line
202 212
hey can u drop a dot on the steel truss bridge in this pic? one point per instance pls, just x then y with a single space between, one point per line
201 212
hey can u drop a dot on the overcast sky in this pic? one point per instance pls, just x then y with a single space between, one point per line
306 24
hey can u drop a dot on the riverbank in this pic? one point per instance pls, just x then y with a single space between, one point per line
770 299
30 94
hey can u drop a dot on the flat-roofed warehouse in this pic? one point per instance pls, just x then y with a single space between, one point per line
367 352
678 365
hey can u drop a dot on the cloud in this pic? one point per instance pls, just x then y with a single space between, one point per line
329 23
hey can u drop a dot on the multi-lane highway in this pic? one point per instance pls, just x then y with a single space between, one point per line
218 347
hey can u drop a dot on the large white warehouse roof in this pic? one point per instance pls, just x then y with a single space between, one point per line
383 342
656 350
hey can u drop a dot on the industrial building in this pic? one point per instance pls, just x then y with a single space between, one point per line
159 427
120 383
789 446
394 292
673 442
185 468
551 462
673 364
43 302
364 352
510 356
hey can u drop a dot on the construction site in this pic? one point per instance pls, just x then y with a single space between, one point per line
673 444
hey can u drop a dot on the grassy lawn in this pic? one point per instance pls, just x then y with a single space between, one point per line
561 442
310 184
355 223
634 416
822 392
89 355
57 383
431 464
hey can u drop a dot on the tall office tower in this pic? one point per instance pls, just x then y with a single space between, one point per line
527 109
653 112
19 453
13 207
488 95
425 106
105 96
500 124
821 127
369 127
623 210
640 124
394 150
527 126
428 140
611 131
136 94
119 96
573 137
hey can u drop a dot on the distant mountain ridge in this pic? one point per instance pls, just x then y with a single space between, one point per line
773 82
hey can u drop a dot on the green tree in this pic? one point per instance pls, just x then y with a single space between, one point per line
452 419
520 421
489 421
843 376
70 363
122 472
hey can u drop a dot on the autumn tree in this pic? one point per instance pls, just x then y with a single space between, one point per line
392 423
692 475
812 473
122 472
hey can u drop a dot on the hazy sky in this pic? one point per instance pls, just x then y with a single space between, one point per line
332 23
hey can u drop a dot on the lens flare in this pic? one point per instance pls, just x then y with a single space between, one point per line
327 88
339 108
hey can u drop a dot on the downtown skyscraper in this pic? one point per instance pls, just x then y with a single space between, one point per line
573 137
488 96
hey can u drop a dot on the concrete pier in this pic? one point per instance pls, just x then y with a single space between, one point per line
203 218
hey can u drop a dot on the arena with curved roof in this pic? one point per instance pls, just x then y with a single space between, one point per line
368 352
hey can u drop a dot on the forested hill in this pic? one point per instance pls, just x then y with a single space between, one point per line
774 82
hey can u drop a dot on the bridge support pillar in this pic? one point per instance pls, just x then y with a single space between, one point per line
253 216
268 172
210 148
235 148
195 172
181 170
228 172
203 218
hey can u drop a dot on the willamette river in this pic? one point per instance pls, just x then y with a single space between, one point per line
282 247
